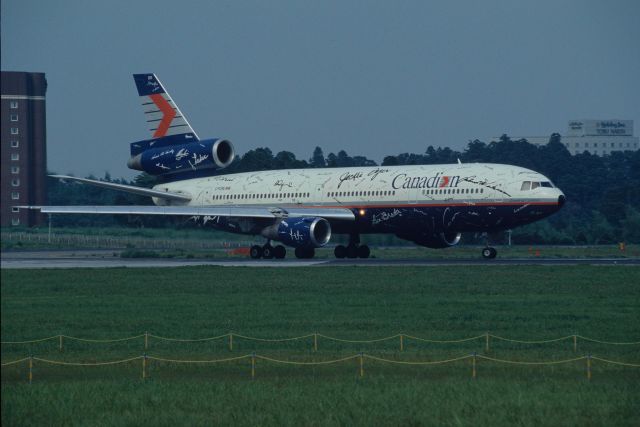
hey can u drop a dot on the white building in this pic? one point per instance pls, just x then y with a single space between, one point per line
595 136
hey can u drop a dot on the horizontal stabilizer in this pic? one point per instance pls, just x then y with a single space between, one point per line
128 188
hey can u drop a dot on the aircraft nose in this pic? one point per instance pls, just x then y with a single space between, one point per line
561 200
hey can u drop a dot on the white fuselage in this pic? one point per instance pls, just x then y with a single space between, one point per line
365 187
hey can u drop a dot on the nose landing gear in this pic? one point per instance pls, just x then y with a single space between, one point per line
489 252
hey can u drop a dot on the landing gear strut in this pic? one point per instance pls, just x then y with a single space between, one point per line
353 250
267 251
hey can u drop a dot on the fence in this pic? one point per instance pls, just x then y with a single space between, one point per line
361 357
402 338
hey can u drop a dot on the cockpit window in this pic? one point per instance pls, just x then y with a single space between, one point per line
531 185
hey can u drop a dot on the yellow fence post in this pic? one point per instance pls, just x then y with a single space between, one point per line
473 366
315 342
361 366
487 342
230 341
401 343
575 343
60 347
30 369
146 341
144 366
589 367
253 365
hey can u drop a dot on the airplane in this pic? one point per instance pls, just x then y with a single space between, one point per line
429 205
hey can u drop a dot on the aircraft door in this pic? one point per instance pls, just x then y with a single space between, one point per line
415 195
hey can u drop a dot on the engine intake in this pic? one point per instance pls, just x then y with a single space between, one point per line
300 232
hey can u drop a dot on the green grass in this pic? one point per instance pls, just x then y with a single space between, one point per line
534 302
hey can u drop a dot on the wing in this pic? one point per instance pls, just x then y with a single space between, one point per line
226 211
223 211
128 188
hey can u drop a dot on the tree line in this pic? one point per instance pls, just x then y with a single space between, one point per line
603 192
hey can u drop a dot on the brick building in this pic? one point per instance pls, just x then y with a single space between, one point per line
24 153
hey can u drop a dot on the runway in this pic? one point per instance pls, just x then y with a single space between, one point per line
106 259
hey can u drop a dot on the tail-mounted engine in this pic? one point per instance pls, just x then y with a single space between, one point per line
158 157
298 232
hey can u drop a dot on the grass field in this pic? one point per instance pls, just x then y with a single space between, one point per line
526 303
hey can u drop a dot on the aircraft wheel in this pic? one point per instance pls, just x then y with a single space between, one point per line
489 253
279 252
340 251
352 251
255 252
305 253
363 251
267 252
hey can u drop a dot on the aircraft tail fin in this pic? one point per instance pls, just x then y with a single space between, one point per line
161 113
174 149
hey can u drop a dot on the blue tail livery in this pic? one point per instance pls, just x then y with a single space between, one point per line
174 146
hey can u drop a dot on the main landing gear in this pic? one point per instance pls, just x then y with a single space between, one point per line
353 250
489 252
305 252
267 251
279 252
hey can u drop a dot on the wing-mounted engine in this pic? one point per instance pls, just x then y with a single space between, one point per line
164 156
434 240
311 232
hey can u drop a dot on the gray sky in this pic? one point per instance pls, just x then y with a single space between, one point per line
370 77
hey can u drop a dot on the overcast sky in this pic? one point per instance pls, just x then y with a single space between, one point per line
370 77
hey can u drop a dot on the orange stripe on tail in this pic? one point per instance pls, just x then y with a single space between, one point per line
168 113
